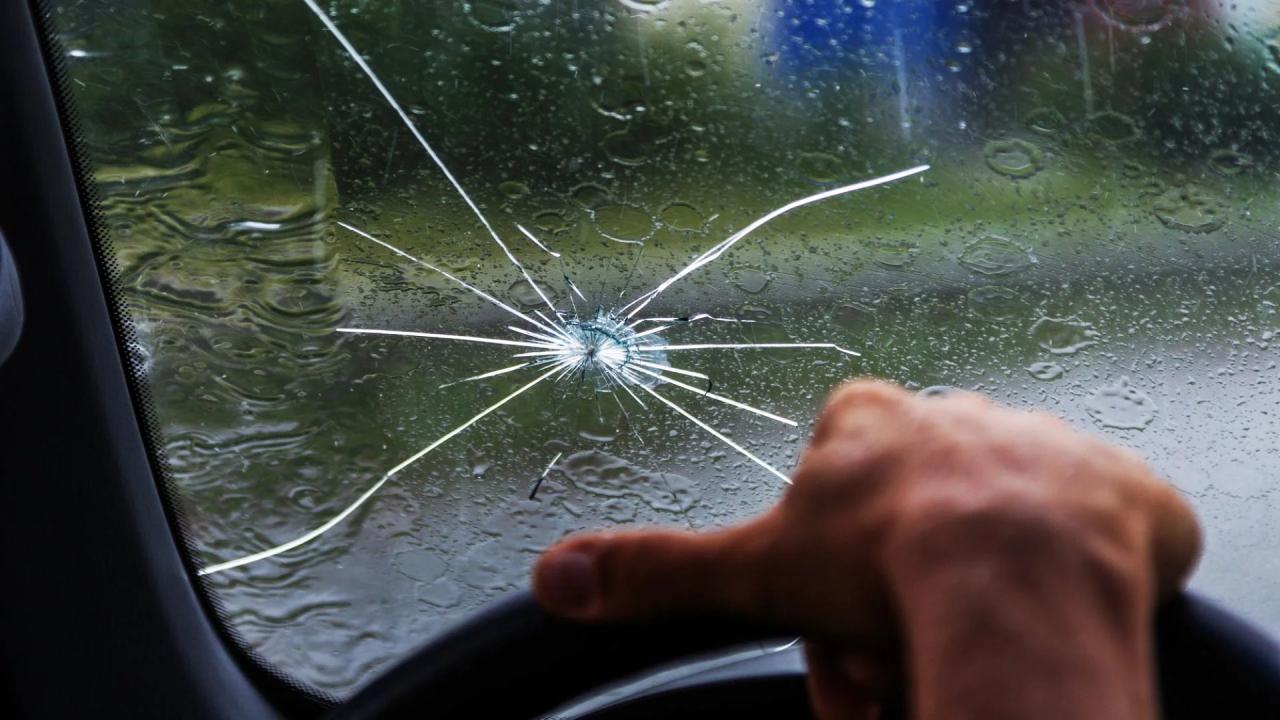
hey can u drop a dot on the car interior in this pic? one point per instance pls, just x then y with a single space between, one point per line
266 453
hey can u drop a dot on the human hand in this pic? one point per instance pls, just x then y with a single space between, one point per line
1001 563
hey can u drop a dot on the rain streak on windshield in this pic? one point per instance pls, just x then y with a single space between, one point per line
419 288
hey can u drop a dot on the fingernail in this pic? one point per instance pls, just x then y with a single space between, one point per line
569 581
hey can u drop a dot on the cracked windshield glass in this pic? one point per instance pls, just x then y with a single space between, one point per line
418 288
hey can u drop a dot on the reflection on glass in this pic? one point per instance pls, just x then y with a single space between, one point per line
1095 235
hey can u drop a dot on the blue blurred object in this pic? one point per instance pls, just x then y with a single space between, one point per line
908 44
822 34
10 303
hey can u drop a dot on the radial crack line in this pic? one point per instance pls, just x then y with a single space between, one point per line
719 436
622 383
691 319
442 336
491 373
417 456
572 287
534 491
718 398
558 329
651 331
668 368
549 340
742 346
539 353
534 239
719 249
408 123
461 282
333 522
569 366
626 416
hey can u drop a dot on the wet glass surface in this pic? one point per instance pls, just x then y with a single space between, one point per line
1097 236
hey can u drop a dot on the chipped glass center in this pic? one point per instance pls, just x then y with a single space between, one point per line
605 346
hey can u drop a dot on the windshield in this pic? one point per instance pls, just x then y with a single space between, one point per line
419 288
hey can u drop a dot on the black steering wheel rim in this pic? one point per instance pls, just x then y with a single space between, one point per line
512 660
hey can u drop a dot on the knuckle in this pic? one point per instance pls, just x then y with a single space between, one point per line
968 400
863 391
1020 543
1016 526
860 408
840 461
977 520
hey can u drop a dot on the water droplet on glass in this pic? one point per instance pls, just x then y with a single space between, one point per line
1045 370
607 476
457 262
522 292
550 221
1014 158
620 98
645 5
995 255
1113 127
1134 170
1045 121
820 167
750 280
626 223
1190 209
964 47
1143 15
624 148
1064 336
1230 162
682 216
513 189
995 302
867 3
696 65
589 195
894 257
1273 54
854 318
420 565
492 15
443 593
1121 406
753 313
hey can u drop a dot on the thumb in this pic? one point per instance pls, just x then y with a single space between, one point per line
618 576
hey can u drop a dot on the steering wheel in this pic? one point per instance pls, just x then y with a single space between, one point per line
512 660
